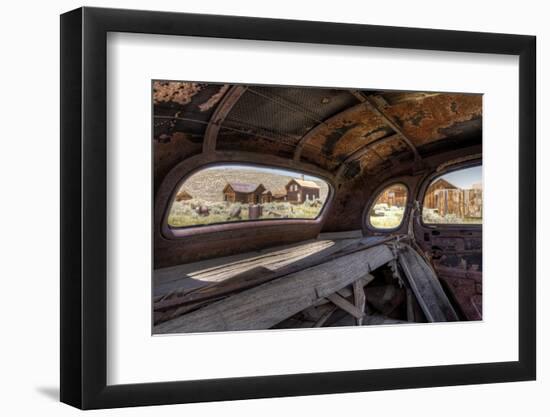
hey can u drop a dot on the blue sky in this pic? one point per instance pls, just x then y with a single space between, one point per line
464 178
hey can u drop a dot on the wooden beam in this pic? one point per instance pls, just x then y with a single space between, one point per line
347 291
410 306
346 306
425 286
266 305
323 319
360 300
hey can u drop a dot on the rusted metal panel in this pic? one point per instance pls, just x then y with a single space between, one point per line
437 117
343 135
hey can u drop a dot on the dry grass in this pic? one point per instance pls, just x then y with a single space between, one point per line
430 216
184 213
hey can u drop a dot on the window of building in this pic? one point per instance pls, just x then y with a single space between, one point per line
239 193
388 209
455 198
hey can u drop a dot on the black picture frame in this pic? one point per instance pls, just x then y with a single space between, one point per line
84 207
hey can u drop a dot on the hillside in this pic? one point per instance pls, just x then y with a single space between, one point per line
208 184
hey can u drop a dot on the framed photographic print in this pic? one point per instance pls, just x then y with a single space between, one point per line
257 208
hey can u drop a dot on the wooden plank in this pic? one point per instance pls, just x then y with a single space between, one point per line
347 291
410 306
368 320
346 305
200 274
264 306
323 319
259 275
348 234
425 285
360 299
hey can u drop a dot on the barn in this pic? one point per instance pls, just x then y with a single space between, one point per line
239 192
299 190
183 196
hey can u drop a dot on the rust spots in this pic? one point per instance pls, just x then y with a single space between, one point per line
343 134
454 107
214 99
407 96
176 92
334 137
417 118
369 161
353 168
427 120
388 149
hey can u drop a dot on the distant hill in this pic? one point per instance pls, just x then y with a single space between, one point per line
208 184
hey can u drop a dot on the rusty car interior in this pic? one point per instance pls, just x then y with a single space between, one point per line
378 152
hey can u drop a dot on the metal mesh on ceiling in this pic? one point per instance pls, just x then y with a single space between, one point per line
318 102
286 114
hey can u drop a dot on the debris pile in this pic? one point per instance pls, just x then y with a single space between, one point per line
325 283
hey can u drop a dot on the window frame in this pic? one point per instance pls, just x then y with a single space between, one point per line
433 177
179 232
372 200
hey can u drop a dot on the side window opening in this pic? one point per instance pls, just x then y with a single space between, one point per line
455 198
228 193
388 209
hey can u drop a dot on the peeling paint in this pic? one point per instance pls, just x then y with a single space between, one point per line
213 100
425 121
265 125
176 92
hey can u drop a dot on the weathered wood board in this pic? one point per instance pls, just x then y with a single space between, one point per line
249 277
425 286
200 274
264 306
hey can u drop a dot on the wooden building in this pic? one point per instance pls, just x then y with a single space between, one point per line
266 197
446 198
238 192
183 196
473 203
299 190
279 195
393 196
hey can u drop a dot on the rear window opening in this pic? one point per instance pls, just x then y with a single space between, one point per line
455 198
387 211
240 193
